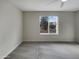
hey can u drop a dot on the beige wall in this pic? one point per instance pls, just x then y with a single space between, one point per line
77 25
10 28
32 29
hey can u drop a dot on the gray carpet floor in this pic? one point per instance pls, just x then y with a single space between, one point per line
45 51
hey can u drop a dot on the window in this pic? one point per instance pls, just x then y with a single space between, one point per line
49 25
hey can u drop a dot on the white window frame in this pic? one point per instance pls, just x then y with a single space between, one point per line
57 28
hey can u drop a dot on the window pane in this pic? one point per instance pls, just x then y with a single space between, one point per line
52 27
52 24
44 24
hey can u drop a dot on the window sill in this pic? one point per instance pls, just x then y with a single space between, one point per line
48 33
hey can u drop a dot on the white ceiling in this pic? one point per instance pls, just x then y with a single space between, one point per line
45 5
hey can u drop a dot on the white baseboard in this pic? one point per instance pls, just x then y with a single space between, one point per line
10 51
